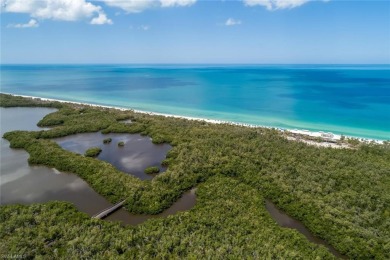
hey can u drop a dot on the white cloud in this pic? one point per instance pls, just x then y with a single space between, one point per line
131 6
169 3
141 27
64 10
31 24
231 22
266 3
144 27
136 6
101 19
276 4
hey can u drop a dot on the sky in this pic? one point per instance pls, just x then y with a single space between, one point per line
195 31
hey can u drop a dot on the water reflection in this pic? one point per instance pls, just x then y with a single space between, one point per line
137 154
12 119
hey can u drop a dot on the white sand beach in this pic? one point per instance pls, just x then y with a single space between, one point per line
323 139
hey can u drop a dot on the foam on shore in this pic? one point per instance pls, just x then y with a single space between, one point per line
326 136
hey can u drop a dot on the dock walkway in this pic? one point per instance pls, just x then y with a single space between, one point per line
109 210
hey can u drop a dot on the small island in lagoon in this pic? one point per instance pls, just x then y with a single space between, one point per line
93 152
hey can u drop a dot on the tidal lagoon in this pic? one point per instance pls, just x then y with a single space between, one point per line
137 153
22 183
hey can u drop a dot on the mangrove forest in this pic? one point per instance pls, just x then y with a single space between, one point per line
341 195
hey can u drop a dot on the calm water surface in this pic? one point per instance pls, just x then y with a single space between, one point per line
137 154
24 184
21 183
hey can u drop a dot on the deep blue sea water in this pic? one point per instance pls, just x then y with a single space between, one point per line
352 100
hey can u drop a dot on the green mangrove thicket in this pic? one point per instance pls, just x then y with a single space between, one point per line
152 169
107 140
341 195
93 152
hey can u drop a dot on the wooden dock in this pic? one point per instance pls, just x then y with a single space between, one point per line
109 210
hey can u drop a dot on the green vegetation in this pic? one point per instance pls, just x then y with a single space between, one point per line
152 170
14 101
158 139
341 195
107 140
165 162
93 152
121 143
353 141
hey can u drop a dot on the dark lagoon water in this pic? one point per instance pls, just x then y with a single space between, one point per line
345 99
137 154
24 184
285 220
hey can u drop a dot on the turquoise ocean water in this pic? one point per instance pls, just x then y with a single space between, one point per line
352 100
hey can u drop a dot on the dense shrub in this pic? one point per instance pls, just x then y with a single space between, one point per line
107 140
93 152
152 170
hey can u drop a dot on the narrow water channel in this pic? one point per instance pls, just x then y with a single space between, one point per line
25 184
285 220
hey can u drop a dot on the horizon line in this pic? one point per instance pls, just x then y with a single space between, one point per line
195 63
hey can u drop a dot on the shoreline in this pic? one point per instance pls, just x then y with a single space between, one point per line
328 138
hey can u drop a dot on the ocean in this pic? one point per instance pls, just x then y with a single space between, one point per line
352 100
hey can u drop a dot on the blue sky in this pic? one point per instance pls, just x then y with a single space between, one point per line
195 31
